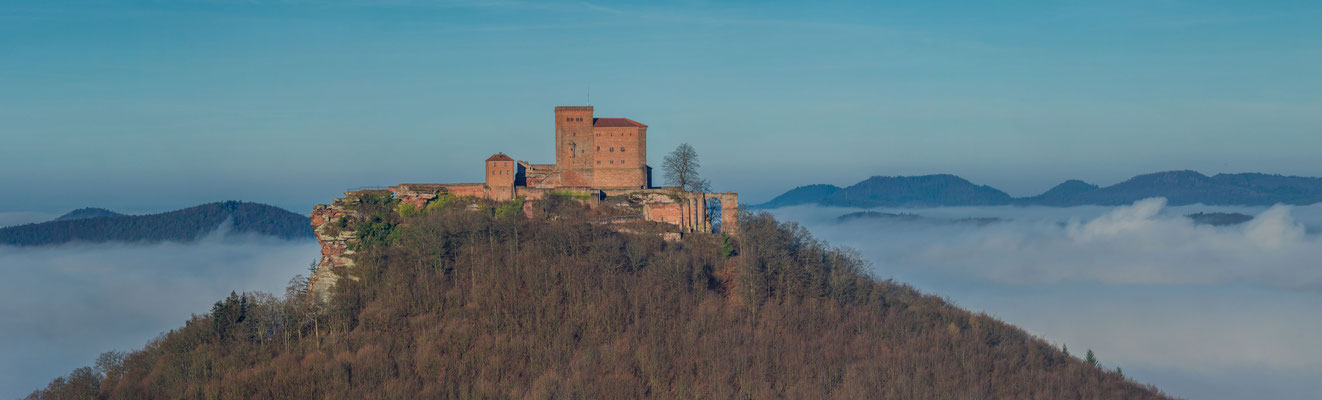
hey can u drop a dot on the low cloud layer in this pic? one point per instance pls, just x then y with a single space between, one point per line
1144 243
1187 307
1136 245
61 306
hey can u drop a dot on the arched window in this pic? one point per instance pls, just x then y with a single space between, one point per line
621 149
598 148
612 149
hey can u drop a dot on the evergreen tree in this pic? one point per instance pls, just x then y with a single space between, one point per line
1091 359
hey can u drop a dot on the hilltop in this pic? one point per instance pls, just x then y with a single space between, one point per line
476 298
1178 187
85 213
185 225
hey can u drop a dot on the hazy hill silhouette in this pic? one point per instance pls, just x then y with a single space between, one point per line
1178 187
894 191
184 225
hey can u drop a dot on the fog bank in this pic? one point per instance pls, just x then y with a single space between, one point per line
60 306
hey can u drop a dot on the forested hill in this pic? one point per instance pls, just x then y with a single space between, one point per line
498 303
894 191
1178 187
184 225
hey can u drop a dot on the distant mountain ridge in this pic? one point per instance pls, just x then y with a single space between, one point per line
186 225
1178 187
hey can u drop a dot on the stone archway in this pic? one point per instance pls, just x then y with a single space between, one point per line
713 212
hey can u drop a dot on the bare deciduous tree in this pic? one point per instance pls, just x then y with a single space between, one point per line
681 169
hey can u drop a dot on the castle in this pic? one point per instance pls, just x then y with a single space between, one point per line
595 159
590 153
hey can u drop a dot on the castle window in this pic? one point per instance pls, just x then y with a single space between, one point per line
612 149
598 161
621 149
598 148
612 161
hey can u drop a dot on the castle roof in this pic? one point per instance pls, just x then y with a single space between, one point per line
616 123
499 157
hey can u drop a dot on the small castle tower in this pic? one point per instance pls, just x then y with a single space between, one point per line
502 174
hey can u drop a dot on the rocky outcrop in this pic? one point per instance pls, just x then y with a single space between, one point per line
333 225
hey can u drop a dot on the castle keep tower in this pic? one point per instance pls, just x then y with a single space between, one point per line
620 159
573 145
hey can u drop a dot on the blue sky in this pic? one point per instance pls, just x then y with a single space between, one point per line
156 105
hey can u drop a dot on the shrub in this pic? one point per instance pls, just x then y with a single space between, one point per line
510 208
407 210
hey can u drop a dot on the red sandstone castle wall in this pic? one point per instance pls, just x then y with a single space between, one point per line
621 157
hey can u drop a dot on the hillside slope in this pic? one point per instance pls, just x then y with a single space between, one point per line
184 225
540 304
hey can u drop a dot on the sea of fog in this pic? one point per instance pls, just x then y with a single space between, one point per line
1204 312
61 306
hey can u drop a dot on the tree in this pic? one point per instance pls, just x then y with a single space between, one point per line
681 169
1090 358
108 364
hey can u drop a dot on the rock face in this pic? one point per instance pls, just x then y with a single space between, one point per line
332 224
